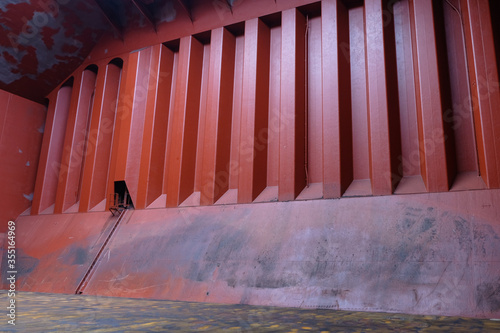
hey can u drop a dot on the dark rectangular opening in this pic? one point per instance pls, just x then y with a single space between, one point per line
122 195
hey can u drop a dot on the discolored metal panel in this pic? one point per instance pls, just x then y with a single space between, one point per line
420 254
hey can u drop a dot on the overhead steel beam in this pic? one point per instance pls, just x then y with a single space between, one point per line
145 12
110 21
187 8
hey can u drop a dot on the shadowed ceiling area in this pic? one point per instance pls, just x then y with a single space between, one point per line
44 41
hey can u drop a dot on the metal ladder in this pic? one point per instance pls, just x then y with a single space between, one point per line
122 212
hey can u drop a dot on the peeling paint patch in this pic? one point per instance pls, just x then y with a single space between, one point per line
20 151
28 163
5 3
168 12
28 197
41 129
44 41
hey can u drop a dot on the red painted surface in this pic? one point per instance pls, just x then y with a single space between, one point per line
462 117
292 173
433 154
236 116
311 101
3 246
217 142
182 161
170 122
155 127
357 56
95 174
381 103
410 157
336 94
421 254
254 112
75 143
207 15
314 111
273 145
43 42
483 76
202 117
390 146
52 150
21 131
53 252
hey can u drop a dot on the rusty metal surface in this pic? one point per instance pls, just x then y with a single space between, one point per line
42 42
54 251
420 254
182 159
